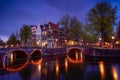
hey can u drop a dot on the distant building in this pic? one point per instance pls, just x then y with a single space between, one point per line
44 35
36 35
49 34
62 37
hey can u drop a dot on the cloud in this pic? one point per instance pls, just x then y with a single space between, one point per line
15 13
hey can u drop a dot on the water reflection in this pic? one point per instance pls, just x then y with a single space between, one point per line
39 67
63 69
114 73
11 58
15 66
25 73
76 54
102 69
36 71
38 61
66 65
57 68
45 69
77 59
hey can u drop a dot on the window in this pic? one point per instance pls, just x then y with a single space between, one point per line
45 33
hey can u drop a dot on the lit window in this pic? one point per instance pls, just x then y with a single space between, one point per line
45 33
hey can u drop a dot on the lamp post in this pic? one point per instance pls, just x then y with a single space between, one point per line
113 41
100 39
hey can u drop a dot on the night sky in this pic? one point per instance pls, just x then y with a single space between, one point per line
15 13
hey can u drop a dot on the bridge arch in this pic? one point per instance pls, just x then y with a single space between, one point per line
15 60
36 56
77 54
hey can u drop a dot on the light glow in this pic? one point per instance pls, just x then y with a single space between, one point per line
115 73
102 70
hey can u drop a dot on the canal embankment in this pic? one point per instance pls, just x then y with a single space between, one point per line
101 54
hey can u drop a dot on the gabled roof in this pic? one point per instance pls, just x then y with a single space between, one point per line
54 26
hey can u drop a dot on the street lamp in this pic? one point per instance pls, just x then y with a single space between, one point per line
100 39
113 41
113 37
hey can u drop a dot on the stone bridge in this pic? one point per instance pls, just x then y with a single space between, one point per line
14 54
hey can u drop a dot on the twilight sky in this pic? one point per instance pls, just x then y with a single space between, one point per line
15 13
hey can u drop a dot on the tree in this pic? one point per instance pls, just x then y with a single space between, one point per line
75 28
65 23
87 35
1 42
17 35
72 26
102 18
25 33
12 39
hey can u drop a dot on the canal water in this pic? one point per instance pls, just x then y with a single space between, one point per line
63 68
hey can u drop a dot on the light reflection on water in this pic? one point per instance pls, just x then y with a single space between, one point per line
11 58
66 65
115 73
63 69
102 70
77 59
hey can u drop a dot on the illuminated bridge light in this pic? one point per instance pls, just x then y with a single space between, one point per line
76 55
36 57
77 60
16 69
39 67
37 62
15 60
11 58
74 61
